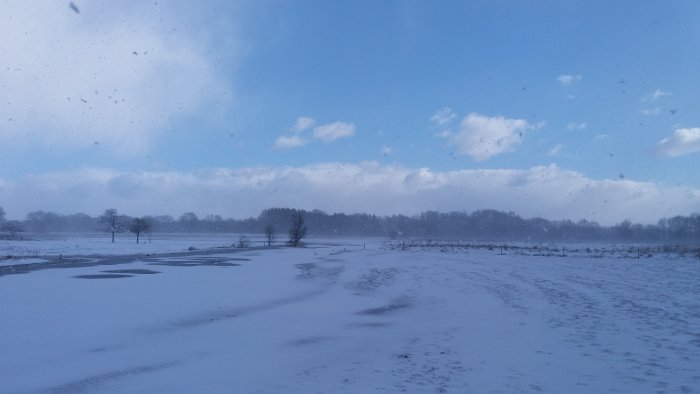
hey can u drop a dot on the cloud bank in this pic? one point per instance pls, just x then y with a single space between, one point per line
546 191
114 74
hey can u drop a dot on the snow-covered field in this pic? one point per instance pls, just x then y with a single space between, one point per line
342 318
101 244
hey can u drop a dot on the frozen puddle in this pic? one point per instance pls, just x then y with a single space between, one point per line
116 274
315 320
102 276
197 261
133 271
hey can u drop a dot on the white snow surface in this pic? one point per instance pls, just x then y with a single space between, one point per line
21 260
83 244
101 244
334 318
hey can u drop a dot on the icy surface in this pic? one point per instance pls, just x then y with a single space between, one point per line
330 318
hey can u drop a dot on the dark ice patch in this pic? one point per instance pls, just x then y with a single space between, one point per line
308 341
385 309
369 325
103 276
199 262
133 271
194 264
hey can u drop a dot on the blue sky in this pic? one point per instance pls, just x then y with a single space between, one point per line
577 109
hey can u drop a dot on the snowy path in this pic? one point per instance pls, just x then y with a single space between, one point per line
327 320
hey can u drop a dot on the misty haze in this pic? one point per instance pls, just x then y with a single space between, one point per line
355 197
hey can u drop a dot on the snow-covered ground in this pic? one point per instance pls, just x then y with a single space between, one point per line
68 244
101 244
20 260
340 318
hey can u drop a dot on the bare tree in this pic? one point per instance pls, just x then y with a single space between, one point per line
269 233
243 242
189 221
110 221
139 226
213 222
13 227
298 230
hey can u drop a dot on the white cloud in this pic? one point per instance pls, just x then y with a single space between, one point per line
483 137
556 150
386 151
327 133
600 138
443 116
575 126
651 111
286 142
72 79
303 123
682 142
546 191
333 131
657 94
568 80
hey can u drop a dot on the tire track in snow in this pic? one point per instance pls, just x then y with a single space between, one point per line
329 275
92 384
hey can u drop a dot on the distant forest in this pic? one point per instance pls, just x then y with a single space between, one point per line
486 224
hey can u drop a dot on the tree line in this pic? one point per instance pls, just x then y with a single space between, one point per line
485 224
